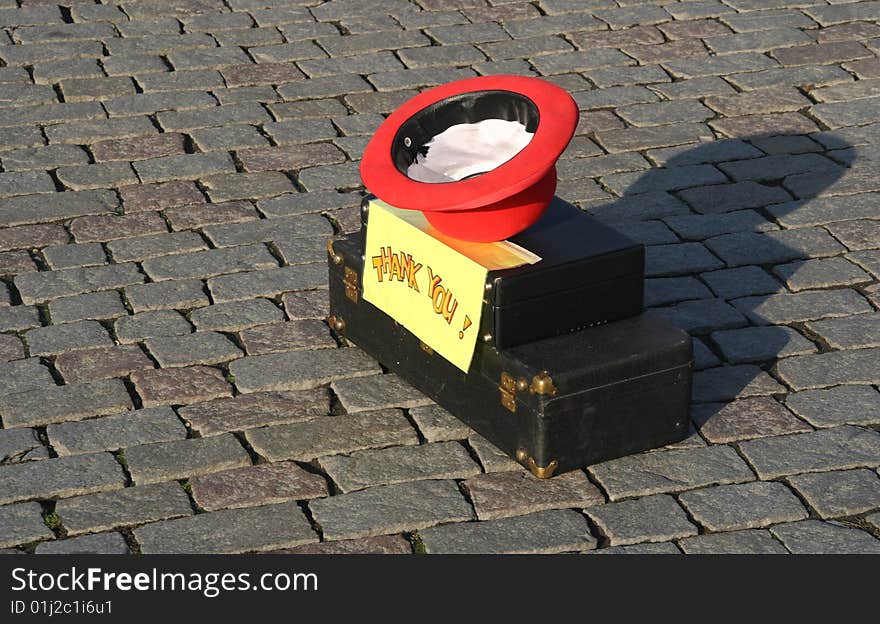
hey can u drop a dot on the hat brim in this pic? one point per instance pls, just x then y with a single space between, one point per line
558 117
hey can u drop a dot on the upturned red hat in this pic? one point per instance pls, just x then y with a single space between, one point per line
488 206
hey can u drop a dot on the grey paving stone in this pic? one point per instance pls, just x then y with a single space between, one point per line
261 409
825 210
56 339
703 316
252 529
611 96
101 363
179 459
116 432
758 344
539 533
839 448
744 248
786 144
777 166
25 182
378 62
743 506
11 348
437 425
672 179
236 186
51 404
133 64
670 471
22 375
228 138
145 247
701 227
343 176
209 263
299 370
328 86
59 478
756 417
377 392
703 357
839 493
820 273
645 548
817 538
722 198
332 435
142 325
99 305
829 369
22 523
287 336
652 137
236 315
858 234
183 167
95 544
177 294
679 259
491 457
256 485
504 494
47 285
868 260
35 209
148 103
263 230
731 382
298 203
748 542
672 289
390 509
651 233
852 332
268 282
300 251
43 157
840 405
369 468
741 281
650 519
803 306
18 445
188 349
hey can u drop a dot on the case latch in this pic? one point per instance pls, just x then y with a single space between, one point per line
508 387
351 284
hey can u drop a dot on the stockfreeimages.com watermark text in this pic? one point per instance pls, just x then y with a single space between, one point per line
209 584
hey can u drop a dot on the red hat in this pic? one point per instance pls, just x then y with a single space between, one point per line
489 206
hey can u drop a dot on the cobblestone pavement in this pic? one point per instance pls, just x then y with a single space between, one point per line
171 169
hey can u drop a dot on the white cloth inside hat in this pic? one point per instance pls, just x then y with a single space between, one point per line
467 149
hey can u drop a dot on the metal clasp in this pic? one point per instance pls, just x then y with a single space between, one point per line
508 387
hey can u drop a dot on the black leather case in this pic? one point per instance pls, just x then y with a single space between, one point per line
553 404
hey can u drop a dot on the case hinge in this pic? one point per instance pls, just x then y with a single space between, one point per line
508 387
351 284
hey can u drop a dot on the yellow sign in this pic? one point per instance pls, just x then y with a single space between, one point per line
429 283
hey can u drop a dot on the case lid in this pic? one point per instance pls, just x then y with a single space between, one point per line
576 250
